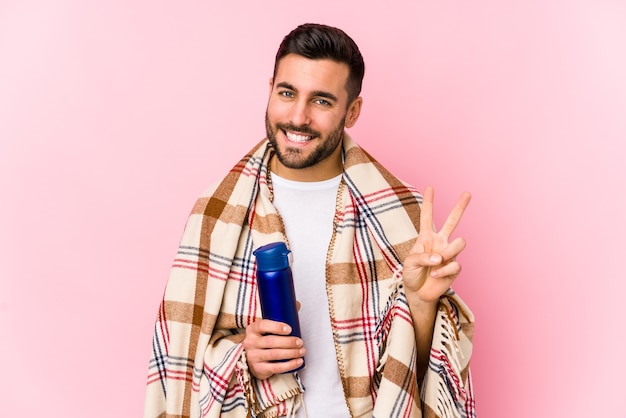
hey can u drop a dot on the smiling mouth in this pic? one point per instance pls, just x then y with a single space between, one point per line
294 137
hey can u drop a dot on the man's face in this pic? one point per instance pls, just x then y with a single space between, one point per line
306 114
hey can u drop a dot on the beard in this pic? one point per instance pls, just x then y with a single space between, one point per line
293 157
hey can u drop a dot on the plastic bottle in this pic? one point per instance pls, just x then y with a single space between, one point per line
276 290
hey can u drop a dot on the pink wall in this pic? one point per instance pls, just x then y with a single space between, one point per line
115 115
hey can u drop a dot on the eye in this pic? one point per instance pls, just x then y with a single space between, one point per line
322 102
286 93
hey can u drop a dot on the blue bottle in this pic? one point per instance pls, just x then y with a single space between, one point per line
276 290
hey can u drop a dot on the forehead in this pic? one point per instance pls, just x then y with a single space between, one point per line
313 75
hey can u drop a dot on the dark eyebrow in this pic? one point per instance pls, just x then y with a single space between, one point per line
319 93
316 93
286 85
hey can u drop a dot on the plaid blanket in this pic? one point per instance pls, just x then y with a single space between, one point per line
198 366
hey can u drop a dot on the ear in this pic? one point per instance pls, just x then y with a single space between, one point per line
354 110
271 84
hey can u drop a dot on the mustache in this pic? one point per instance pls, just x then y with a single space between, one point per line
304 129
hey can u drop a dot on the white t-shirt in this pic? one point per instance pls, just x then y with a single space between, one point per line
307 210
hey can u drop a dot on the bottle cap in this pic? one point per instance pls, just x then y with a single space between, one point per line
272 257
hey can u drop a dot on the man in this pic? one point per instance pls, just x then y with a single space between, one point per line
382 332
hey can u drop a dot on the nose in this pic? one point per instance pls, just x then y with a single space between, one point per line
300 113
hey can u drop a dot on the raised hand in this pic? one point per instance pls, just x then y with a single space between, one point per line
431 266
429 270
267 341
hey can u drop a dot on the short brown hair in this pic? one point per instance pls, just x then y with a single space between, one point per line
316 41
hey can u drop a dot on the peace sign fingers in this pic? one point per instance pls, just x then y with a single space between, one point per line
429 240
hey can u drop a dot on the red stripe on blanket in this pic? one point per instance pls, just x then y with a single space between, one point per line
370 350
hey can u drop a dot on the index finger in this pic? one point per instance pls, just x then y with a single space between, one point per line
456 214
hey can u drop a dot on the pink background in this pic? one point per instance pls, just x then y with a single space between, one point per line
115 115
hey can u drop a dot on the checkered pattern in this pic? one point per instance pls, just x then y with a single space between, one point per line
198 367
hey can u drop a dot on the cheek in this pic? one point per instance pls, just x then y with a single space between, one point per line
277 111
329 122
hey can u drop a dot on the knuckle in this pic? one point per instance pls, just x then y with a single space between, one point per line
271 340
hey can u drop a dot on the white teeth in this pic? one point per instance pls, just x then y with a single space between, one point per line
297 138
